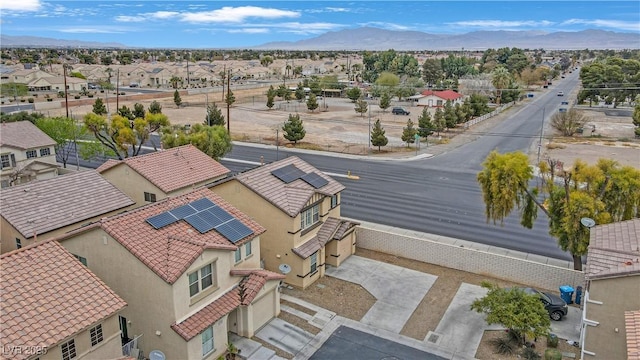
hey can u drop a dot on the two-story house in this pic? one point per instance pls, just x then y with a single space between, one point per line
26 153
301 208
188 267
612 293
53 307
41 210
152 177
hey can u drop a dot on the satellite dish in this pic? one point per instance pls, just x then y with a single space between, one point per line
156 355
588 222
284 269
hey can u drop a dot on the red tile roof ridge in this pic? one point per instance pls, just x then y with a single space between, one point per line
267 274
208 315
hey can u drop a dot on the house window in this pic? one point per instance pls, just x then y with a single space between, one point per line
247 249
238 254
149 197
45 152
439 102
96 335
334 201
5 161
81 259
31 154
309 216
18 243
200 280
314 262
207 341
68 350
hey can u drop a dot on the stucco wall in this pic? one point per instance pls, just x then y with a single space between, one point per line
518 270
132 183
608 339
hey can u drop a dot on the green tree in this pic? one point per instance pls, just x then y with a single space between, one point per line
99 108
211 140
361 106
214 116
229 98
439 122
270 103
514 309
312 102
354 93
266 61
64 131
425 125
605 192
176 98
138 111
174 81
155 107
636 116
124 111
432 71
388 79
450 116
300 92
385 101
500 78
294 129
409 133
378 138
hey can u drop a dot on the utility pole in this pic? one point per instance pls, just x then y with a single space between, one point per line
228 105
118 90
224 74
66 93
188 77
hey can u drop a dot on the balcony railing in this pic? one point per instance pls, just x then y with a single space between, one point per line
131 348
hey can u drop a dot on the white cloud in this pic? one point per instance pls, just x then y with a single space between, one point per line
92 30
329 9
500 24
613 24
20 5
387 25
164 14
130 19
249 31
239 14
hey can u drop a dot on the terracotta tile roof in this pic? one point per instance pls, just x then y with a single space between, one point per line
292 197
41 206
23 135
173 169
614 250
632 327
445 94
331 229
249 287
170 250
48 295
107 165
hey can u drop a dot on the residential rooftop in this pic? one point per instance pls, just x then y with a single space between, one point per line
23 135
614 250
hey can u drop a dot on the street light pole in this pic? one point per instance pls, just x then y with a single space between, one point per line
541 132
369 128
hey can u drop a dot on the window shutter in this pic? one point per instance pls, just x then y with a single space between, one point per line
13 160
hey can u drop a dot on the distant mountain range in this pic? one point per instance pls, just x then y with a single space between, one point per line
374 39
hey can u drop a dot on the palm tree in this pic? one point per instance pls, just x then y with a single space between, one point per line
500 78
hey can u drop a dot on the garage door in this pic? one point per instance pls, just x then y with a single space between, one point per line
263 310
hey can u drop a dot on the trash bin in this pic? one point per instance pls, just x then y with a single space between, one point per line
566 292
578 294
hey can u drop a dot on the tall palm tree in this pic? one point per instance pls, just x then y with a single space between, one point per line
500 78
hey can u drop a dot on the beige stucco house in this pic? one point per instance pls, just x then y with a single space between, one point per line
612 291
26 154
53 307
152 177
434 100
44 209
300 207
188 267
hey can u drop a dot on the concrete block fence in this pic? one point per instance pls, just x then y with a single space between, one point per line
531 270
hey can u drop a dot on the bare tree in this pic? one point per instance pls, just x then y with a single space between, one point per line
568 122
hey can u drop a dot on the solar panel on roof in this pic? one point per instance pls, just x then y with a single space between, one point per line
162 220
183 211
288 173
241 228
314 180
202 204
199 222
219 213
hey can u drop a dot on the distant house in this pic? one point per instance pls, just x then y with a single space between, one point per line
57 83
437 99
26 154
300 207
188 267
612 296
44 209
152 177
54 307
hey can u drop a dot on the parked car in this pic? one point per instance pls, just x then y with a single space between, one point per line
553 303
560 93
399 111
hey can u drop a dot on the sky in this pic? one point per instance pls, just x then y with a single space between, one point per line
193 24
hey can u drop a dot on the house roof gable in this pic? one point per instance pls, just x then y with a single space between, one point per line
23 135
40 206
291 197
444 94
614 250
173 169
48 296
170 250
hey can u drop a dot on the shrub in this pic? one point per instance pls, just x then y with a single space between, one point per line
90 95
30 100
77 97
514 337
22 100
503 345
49 99
552 354
530 354
552 341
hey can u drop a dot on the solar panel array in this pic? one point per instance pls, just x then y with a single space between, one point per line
204 215
314 180
288 173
